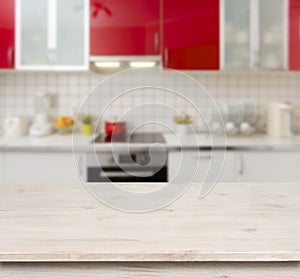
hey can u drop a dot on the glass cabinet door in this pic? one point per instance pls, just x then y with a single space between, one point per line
235 30
52 34
254 34
33 49
70 34
273 34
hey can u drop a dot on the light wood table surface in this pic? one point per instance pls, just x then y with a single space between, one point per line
237 228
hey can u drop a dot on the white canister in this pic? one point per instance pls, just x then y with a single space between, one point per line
181 130
15 126
280 119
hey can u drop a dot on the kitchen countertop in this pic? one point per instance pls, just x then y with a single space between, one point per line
258 141
54 142
64 143
235 222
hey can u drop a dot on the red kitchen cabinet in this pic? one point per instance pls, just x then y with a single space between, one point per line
125 27
294 35
191 34
7 34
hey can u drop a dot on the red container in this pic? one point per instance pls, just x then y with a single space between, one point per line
115 128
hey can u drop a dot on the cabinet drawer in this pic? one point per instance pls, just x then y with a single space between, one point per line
198 167
40 168
268 167
2 176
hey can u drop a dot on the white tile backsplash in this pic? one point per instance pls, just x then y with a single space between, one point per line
17 91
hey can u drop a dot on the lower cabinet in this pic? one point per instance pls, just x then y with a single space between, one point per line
248 166
203 166
43 168
48 168
268 166
1 167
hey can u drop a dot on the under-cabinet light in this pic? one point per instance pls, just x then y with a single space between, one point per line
107 64
142 64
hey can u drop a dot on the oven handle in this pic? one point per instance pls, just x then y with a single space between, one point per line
115 174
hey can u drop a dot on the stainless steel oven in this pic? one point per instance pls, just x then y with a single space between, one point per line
135 165
126 168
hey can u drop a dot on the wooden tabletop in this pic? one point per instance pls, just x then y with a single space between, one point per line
235 222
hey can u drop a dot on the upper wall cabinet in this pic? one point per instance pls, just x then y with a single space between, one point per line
294 35
52 34
254 34
125 27
7 34
191 34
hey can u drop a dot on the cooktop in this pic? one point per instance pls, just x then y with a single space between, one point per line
145 137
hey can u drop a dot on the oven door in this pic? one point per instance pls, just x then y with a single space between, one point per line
128 174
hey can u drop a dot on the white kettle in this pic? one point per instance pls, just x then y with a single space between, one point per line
280 119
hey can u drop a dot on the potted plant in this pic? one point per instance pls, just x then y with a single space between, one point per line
182 122
86 126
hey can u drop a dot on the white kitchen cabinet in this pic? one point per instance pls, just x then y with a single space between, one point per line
247 166
268 166
1 167
254 34
197 166
52 34
43 168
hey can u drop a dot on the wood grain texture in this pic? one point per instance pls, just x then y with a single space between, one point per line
202 270
235 222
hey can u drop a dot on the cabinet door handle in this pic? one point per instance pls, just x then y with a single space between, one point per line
166 57
156 42
126 174
202 156
256 59
10 56
54 56
80 165
241 165
51 56
299 29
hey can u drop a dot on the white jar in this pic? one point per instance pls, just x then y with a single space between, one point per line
15 126
181 130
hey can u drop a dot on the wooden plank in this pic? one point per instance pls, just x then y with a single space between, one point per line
96 270
235 222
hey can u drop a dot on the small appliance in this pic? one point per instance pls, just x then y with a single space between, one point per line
115 128
42 124
280 119
15 126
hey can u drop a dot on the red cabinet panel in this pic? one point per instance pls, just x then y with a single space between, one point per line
124 27
294 35
7 34
191 34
